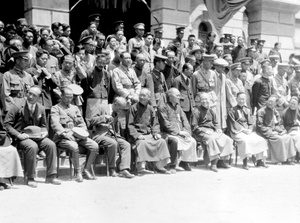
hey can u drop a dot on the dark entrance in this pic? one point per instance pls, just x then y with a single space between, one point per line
137 12
11 10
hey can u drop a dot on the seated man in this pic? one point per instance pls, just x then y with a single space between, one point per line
240 126
206 129
107 135
144 131
281 144
26 114
291 121
65 116
176 128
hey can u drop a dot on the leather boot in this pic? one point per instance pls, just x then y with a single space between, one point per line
245 164
77 170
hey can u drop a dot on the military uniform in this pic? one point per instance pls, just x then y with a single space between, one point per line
16 84
63 119
160 87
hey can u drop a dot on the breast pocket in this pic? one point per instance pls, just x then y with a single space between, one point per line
15 85
63 120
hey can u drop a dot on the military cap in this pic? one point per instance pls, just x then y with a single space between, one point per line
160 57
221 62
227 35
86 40
180 29
148 34
21 20
9 27
274 57
69 58
208 57
261 42
119 23
22 53
139 26
94 17
77 90
245 60
265 61
235 66
283 65
158 29
251 48
253 41
80 133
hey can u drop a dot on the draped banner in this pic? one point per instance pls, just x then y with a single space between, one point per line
221 11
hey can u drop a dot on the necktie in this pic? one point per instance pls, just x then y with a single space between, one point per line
31 109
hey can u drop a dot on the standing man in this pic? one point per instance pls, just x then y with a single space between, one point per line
282 87
170 72
294 82
204 80
179 37
275 51
184 85
191 46
263 87
160 85
124 80
139 30
145 77
31 113
16 82
148 52
261 55
64 117
239 51
221 113
176 128
97 88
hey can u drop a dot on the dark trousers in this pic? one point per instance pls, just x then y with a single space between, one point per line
112 145
172 145
86 146
32 148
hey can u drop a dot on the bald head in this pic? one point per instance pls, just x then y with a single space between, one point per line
140 60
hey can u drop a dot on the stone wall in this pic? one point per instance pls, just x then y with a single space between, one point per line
43 12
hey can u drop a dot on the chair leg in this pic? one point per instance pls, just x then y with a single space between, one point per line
107 167
24 167
71 172
57 163
236 155
11 181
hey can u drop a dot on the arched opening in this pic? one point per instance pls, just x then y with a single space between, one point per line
203 30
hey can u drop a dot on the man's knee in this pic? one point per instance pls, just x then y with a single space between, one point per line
70 145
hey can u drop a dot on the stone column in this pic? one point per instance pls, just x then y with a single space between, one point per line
273 21
171 14
44 13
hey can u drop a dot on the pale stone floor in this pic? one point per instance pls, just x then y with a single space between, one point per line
229 196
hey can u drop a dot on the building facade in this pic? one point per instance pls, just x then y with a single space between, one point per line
271 20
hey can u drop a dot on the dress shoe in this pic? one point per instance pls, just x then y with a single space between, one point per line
87 175
260 163
79 177
5 186
214 168
163 171
113 173
1 188
52 180
221 164
144 171
172 171
288 162
126 174
185 166
31 183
